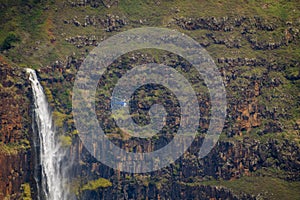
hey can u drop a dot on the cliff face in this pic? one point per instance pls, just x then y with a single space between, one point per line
179 191
16 170
228 161
15 132
256 50
259 138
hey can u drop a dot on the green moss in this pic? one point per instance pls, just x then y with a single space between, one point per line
48 94
59 118
26 195
65 140
96 184
14 148
8 149
75 132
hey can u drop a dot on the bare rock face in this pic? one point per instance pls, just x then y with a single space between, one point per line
227 161
15 171
15 155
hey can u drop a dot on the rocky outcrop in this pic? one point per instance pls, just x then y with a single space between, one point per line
225 23
94 3
109 23
255 30
82 41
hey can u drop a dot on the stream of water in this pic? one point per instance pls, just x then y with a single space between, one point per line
52 181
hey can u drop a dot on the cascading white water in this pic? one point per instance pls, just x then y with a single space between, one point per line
51 155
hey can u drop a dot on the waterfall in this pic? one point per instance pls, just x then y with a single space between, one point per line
52 181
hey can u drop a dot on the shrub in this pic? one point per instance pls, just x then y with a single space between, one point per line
65 140
95 184
8 41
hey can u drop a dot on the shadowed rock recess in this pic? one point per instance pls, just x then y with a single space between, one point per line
256 47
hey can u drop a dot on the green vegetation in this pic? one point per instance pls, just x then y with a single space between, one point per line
77 186
266 187
285 10
8 41
26 192
65 140
21 19
39 22
48 94
9 149
14 148
96 184
59 118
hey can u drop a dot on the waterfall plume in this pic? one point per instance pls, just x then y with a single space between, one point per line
51 155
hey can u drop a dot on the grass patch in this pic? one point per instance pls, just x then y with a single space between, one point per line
96 184
266 187
285 10
14 148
